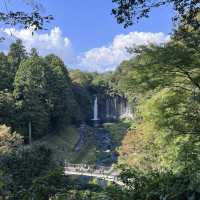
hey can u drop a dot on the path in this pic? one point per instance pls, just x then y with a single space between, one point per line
106 173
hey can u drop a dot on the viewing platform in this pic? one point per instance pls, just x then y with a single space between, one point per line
101 172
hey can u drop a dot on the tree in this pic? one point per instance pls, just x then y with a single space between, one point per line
48 186
33 52
80 78
32 19
159 185
22 167
31 96
44 97
6 73
81 83
8 140
163 146
63 106
7 109
128 11
175 64
17 53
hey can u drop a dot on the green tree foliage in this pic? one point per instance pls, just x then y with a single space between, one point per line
17 53
81 83
27 171
22 167
10 63
6 73
7 109
44 96
9 142
43 93
81 78
164 142
63 106
31 94
160 185
32 19
128 11
48 186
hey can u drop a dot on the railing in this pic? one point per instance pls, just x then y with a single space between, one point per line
107 173
86 167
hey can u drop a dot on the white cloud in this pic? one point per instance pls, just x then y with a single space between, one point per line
45 43
101 59
109 57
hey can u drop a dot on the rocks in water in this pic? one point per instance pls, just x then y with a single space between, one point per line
80 142
106 146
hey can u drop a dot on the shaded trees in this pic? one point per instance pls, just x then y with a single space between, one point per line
81 83
159 185
63 107
22 167
6 73
7 108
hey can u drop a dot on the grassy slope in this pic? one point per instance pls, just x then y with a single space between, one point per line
117 130
62 146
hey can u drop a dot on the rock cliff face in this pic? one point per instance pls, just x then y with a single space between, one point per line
110 108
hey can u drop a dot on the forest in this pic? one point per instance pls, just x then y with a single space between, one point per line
158 150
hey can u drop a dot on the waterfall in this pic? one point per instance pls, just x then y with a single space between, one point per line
115 107
107 109
95 109
125 110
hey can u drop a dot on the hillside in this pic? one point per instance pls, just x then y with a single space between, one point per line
63 146
94 146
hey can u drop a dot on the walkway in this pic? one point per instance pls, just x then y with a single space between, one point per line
106 173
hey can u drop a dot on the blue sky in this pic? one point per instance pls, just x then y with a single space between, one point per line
91 30
89 23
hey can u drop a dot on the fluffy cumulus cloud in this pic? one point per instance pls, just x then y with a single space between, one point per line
109 57
45 43
101 59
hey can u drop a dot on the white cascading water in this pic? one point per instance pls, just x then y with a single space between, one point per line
95 109
125 110
115 106
107 109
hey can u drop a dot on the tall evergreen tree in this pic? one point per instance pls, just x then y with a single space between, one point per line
29 92
61 99
7 109
6 76
16 54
